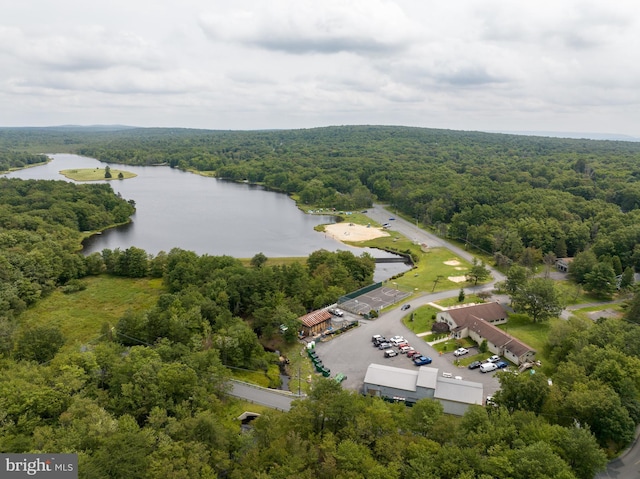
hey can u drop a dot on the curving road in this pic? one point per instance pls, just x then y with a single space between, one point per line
627 466
412 231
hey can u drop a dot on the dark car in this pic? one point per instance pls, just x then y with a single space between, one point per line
475 365
502 364
379 341
422 360
405 307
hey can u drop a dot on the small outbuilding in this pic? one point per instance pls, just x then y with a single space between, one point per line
315 323
562 264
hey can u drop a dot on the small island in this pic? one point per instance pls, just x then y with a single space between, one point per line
96 174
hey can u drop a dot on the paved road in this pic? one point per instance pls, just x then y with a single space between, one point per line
260 395
413 232
627 466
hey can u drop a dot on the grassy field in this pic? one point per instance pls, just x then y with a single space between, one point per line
534 334
278 261
95 174
421 319
80 316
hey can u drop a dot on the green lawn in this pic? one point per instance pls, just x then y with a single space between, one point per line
433 269
533 334
95 174
420 319
81 316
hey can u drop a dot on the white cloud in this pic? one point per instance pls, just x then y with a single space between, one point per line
300 63
303 26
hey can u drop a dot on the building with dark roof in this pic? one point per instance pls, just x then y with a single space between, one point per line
478 322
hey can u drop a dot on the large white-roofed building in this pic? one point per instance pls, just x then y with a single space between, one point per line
410 386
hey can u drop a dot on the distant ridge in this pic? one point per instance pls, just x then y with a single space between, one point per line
91 127
72 127
548 134
572 135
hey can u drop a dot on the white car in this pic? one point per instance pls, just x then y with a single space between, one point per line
494 359
460 351
389 353
397 340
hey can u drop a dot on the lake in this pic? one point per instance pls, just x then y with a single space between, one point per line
205 215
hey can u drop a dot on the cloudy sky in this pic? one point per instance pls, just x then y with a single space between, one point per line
491 65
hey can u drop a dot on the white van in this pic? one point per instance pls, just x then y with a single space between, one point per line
488 367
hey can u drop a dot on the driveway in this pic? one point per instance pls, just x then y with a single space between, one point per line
352 352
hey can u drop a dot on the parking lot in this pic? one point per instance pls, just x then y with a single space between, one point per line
352 352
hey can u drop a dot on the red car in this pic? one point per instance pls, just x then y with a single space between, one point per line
413 353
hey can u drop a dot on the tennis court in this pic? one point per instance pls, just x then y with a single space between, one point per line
374 300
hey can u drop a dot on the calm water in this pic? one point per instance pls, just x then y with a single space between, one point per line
205 215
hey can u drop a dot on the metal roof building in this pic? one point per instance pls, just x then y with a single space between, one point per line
410 386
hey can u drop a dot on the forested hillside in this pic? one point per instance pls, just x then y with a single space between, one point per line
41 227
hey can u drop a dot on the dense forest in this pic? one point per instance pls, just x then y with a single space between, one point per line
148 397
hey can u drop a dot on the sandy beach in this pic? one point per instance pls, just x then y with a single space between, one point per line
351 232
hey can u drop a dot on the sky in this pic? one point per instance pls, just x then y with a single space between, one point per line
486 65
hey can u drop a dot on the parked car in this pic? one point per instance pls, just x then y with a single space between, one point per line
405 349
413 353
397 340
389 353
391 219
460 351
380 340
475 365
422 360
488 367
375 337
502 364
494 359
384 345
405 307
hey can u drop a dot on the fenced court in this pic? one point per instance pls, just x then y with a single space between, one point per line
372 298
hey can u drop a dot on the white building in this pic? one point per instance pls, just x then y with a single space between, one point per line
407 385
